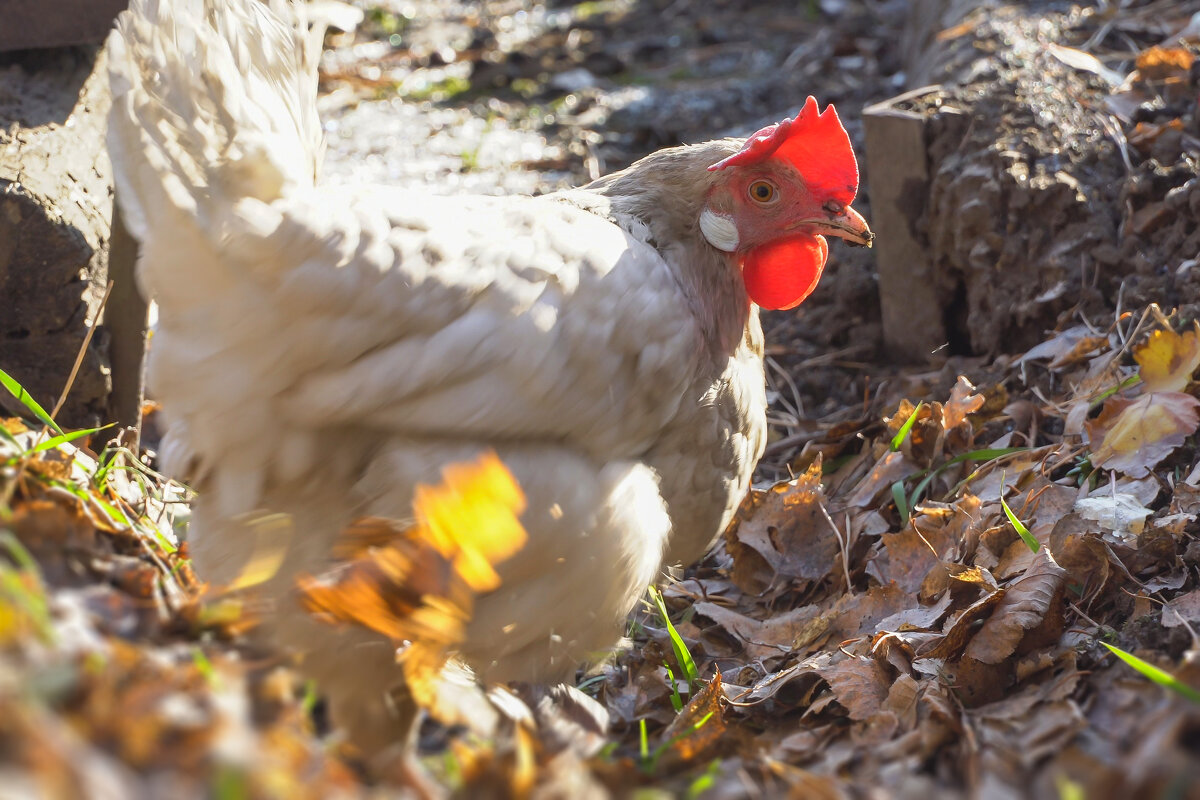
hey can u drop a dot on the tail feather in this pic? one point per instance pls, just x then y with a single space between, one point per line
213 124
214 101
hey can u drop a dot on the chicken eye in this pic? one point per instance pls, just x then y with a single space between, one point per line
763 192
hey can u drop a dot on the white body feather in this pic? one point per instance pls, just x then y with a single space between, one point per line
321 351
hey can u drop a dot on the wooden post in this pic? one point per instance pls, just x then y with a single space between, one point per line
899 185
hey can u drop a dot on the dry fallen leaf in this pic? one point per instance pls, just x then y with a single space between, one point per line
472 518
1159 63
760 639
1183 610
700 726
1067 347
1087 62
1168 359
1143 137
1134 435
419 589
912 552
1120 513
859 684
963 402
782 533
1025 607
891 467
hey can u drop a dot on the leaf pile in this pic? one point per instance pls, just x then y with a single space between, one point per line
974 599
932 610
115 680
956 600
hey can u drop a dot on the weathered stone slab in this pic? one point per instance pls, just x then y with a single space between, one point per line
55 213
55 23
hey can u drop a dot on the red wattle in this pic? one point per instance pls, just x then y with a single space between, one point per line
782 274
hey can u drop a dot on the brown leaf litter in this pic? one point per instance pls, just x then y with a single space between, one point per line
875 622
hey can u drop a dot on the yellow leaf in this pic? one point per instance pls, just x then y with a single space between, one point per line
1168 359
472 518
272 535
1134 435
417 586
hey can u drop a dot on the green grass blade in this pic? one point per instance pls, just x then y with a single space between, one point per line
901 502
309 701
1153 673
230 783
682 656
1107 393
18 552
676 697
1069 789
204 666
1027 537
104 463
30 599
112 511
985 455
679 737
588 683
643 740
919 492
706 781
18 391
958 487
902 434
55 441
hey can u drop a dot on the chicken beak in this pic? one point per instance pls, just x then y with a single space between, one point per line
846 224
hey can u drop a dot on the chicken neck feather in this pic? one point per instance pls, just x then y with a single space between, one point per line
666 191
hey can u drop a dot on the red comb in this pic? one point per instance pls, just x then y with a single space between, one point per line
813 142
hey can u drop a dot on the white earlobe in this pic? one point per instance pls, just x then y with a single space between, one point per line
719 230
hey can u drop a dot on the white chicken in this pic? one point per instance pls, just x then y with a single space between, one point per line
320 351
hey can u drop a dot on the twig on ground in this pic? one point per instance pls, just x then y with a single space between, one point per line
87 339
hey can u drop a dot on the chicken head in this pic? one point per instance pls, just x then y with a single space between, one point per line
789 186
